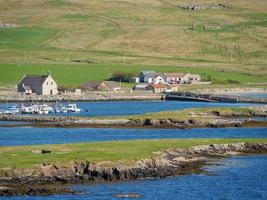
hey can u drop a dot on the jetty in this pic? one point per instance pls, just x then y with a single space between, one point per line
189 96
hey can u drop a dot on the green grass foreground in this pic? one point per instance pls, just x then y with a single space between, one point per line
21 157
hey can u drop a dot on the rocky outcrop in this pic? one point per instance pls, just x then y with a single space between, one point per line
192 6
33 190
166 163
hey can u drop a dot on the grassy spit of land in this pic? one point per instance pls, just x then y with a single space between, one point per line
123 152
25 172
187 118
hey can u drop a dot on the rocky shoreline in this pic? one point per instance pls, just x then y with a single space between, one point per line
210 119
83 97
47 179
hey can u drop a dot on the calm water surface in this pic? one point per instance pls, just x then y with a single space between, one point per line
138 107
32 136
243 178
236 177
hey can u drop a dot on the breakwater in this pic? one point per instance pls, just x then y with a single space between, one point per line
169 162
188 96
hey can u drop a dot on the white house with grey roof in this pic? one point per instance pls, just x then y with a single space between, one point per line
38 84
151 77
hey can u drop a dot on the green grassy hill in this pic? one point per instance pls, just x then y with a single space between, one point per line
82 34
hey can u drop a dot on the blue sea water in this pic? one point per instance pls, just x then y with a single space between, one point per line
112 108
242 177
235 178
33 136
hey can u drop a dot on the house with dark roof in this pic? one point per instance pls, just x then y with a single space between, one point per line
38 84
101 86
151 77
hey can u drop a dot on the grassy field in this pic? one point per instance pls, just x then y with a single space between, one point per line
119 151
76 74
86 40
202 114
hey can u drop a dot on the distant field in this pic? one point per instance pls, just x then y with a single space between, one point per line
76 74
151 32
118 151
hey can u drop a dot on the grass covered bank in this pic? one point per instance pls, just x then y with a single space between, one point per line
21 157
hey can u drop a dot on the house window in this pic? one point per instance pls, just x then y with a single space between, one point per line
51 83
46 83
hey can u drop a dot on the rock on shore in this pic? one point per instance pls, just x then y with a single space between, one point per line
166 163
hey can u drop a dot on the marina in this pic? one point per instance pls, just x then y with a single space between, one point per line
116 108
40 109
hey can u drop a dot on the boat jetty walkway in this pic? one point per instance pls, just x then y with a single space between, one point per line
188 96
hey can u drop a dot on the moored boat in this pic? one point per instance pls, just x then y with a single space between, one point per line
13 109
71 108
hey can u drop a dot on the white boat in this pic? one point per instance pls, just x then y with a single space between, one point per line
45 109
14 109
27 109
71 108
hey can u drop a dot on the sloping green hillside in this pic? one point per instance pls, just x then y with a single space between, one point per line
137 32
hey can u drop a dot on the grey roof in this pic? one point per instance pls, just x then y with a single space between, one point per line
154 75
147 72
141 85
30 80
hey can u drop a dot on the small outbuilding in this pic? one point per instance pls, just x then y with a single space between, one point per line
143 87
38 84
159 88
102 86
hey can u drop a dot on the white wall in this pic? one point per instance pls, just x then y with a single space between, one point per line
49 86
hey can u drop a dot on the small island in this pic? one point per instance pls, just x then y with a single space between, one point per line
187 118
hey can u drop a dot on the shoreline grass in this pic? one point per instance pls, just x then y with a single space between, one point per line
188 113
21 157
